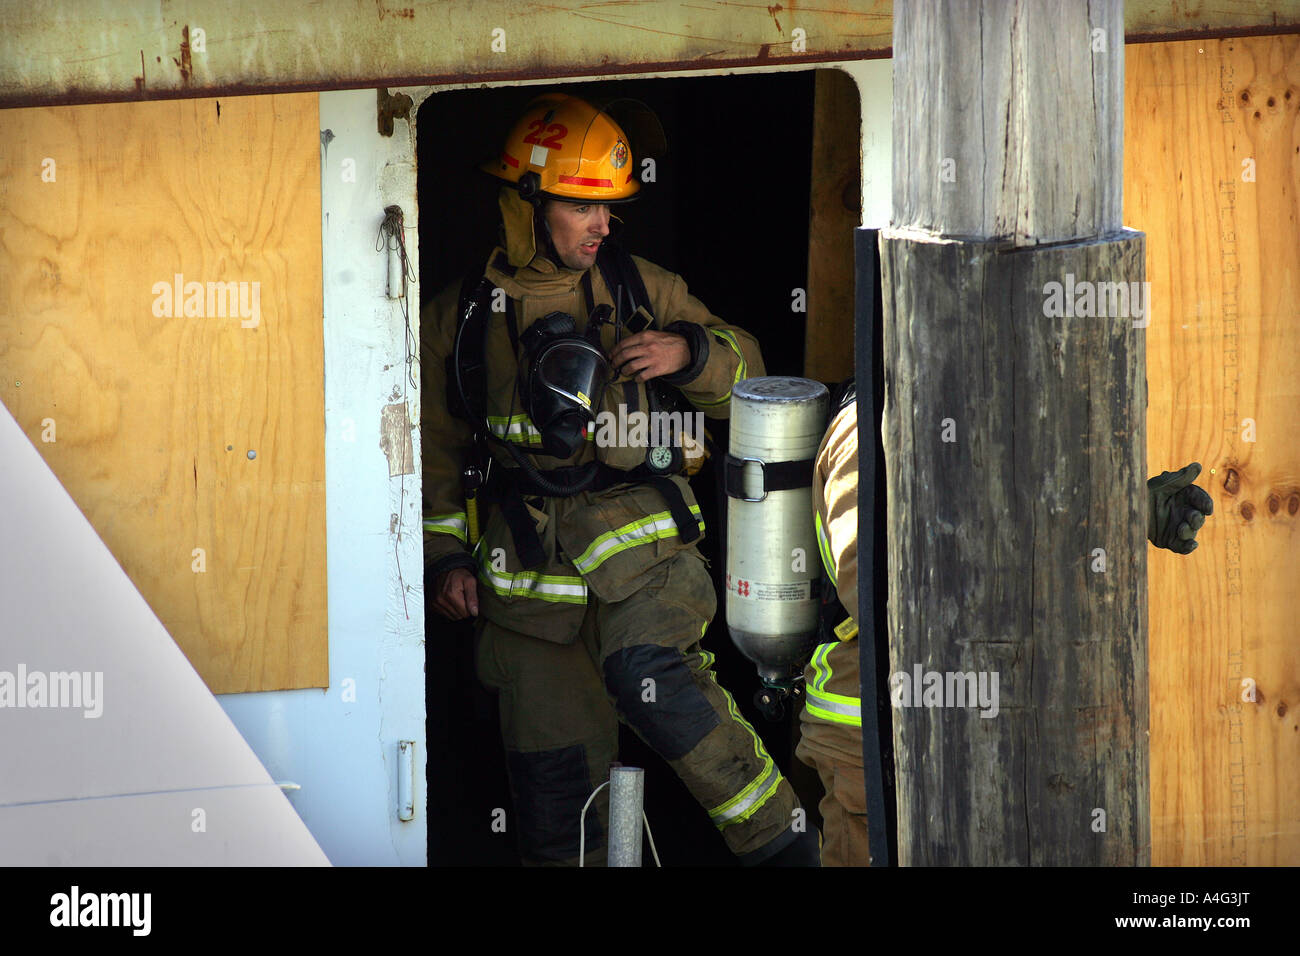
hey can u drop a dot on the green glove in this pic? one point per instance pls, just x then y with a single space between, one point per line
1177 509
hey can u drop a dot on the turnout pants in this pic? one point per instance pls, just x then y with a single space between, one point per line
831 743
638 660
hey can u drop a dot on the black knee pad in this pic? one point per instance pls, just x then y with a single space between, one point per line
678 715
550 787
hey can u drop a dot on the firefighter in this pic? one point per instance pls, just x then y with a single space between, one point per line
589 593
831 721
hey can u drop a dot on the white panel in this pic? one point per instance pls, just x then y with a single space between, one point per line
229 827
343 752
150 727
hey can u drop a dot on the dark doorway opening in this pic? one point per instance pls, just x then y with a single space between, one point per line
729 212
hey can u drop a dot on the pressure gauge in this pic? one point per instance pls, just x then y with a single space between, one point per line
660 458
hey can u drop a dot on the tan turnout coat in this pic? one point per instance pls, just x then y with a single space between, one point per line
604 543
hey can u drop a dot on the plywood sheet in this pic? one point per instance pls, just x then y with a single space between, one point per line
191 432
834 209
1212 175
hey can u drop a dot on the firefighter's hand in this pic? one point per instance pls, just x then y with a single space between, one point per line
457 592
1177 509
648 355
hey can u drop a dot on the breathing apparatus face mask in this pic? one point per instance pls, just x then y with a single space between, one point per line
561 374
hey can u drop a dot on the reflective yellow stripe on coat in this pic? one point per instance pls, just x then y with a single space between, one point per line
452 524
758 791
742 369
824 546
556 588
836 708
520 430
647 529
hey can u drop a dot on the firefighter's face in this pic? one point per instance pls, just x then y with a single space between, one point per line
577 231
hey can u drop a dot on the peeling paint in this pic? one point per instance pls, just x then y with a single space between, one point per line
391 107
395 440
186 63
774 11
385 11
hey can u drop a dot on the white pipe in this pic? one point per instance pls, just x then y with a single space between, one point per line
626 798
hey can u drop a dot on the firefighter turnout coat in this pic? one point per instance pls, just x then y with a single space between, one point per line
602 542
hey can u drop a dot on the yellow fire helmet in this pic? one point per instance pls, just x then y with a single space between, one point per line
564 148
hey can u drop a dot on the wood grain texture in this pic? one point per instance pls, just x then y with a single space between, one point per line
1008 119
834 211
1014 450
1223 347
155 415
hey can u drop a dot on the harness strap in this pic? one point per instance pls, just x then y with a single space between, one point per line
623 279
588 295
777 475
522 530
688 529
510 486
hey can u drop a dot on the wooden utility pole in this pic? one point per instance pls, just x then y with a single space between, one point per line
1015 440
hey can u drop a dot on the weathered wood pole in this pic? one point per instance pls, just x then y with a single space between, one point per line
1015 440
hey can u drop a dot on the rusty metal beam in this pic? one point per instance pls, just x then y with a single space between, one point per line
74 51
85 51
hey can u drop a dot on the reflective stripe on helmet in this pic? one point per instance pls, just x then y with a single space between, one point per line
651 528
453 524
586 181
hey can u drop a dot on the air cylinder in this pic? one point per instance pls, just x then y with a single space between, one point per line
773 564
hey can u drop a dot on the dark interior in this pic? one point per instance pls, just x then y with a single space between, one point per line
729 212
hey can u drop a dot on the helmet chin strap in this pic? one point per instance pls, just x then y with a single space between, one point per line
551 252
